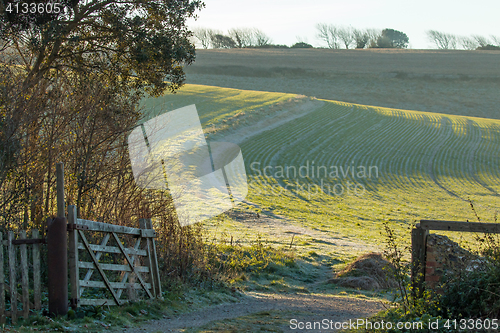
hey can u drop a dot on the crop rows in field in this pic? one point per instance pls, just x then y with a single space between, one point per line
412 151
416 164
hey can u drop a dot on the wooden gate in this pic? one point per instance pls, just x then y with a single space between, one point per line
126 263
18 248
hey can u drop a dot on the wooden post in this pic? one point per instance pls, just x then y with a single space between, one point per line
36 272
13 283
418 257
74 275
2 285
60 190
149 263
24 277
154 258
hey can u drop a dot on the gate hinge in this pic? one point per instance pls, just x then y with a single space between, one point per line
74 226
74 302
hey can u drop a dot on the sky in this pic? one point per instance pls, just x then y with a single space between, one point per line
290 21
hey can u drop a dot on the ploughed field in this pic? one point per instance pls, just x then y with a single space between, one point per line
344 169
443 81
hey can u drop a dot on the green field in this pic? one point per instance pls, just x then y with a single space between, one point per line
408 165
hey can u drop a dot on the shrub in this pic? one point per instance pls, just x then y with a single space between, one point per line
489 47
391 38
475 294
301 45
269 46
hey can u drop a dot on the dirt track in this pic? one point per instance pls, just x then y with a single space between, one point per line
303 307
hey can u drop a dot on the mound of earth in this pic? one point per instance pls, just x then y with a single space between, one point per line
370 271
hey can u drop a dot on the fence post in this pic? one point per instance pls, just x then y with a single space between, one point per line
2 285
418 257
73 258
155 271
36 272
13 282
24 276
149 259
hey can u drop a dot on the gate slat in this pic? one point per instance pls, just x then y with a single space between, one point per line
117 285
98 302
106 227
113 267
113 249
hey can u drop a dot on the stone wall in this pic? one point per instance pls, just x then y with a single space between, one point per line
443 257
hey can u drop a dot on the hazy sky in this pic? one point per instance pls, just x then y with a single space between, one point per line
287 20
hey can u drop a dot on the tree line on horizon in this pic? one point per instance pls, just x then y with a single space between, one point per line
333 36
447 41
337 37
235 38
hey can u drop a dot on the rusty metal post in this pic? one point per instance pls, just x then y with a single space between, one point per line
57 260
57 253
61 209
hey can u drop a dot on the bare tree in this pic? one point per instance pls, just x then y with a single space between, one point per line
468 43
211 34
202 35
495 40
243 37
334 36
373 34
361 37
329 34
346 35
323 33
261 39
442 40
481 40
